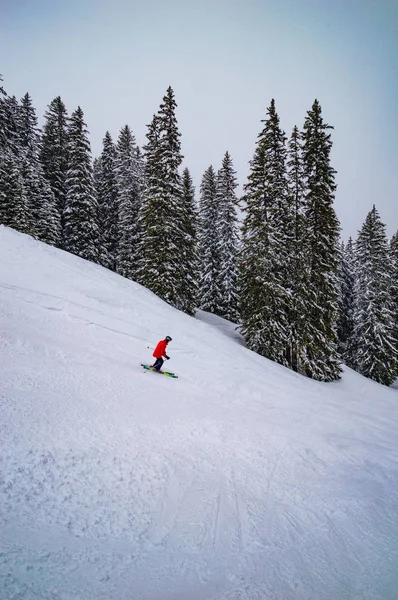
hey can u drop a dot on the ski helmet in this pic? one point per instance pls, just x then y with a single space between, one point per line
168 338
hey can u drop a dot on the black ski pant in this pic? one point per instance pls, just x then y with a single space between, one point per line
158 364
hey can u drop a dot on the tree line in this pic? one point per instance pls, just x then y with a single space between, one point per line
301 297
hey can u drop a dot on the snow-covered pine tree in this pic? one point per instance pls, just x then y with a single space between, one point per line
373 315
97 185
81 209
265 298
13 202
394 286
189 251
321 359
129 185
45 218
12 127
54 154
297 272
3 118
96 173
345 327
151 198
162 219
14 210
208 244
140 171
107 198
228 240
9 122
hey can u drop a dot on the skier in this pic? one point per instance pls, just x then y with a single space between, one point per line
159 352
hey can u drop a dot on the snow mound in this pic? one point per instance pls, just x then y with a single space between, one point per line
238 481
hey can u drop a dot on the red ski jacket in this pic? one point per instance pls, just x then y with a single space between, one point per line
160 349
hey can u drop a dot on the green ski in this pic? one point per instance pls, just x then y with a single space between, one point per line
167 373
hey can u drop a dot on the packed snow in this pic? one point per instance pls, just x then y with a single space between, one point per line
240 480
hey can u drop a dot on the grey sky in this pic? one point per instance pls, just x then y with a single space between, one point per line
225 60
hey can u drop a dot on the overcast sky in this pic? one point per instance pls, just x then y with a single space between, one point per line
225 60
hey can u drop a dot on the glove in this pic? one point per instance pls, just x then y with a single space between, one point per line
167 357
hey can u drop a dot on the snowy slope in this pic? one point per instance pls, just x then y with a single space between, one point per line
238 481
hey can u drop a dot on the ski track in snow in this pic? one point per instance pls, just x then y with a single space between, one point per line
238 481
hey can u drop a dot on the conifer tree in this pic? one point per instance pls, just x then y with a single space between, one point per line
3 118
321 360
346 302
297 279
394 286
13 201
140 171
10 119
228 240
45 218
26 201
14 211
107 198
373 335
81 209
189 255
209 246
265 299
150 231
162 219
54 154
12 139
3 150
97 174
97 186
129 187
